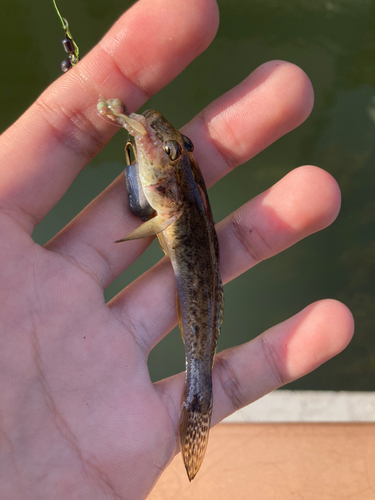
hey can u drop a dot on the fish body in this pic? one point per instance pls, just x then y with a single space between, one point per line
173 185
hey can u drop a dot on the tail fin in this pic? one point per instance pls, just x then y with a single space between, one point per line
193 429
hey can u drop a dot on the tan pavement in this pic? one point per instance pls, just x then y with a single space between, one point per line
279 461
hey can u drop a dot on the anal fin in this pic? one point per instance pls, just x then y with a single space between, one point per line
179 318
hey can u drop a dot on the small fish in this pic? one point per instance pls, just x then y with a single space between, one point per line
181 217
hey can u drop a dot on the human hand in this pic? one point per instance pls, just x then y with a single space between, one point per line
79 415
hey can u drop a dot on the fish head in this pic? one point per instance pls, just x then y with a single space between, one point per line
161 157
161 150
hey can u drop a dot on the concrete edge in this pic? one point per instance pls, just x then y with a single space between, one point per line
308 406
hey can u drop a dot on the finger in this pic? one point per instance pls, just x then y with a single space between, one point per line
247 118
280 355
61 132
273 100
303 202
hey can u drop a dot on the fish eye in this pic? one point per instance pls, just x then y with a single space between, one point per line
188 145
173 150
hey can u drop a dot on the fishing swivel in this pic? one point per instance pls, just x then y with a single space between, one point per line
130 146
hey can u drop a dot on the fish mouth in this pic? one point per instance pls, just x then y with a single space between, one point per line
115 110
150 148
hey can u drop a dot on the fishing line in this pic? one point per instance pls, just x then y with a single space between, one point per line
69 44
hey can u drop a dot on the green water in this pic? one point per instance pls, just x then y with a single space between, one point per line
334 42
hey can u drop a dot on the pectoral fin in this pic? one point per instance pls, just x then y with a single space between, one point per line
151 227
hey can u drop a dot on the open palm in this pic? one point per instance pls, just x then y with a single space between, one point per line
79 416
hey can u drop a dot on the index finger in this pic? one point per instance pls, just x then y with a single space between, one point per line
149 45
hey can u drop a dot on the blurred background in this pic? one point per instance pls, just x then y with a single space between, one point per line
334 43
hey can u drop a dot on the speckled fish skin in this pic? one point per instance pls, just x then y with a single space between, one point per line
175 189
191 244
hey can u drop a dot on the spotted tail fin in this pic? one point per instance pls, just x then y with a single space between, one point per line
194 428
